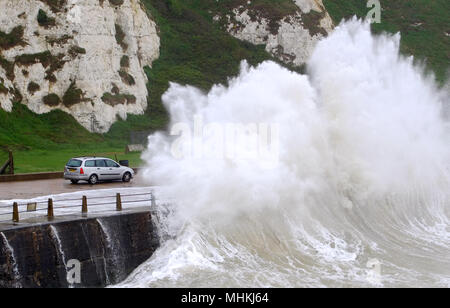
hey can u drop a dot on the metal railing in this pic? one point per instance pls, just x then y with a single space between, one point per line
51 206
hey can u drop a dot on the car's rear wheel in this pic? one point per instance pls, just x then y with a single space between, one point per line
126 177
74 181
93 179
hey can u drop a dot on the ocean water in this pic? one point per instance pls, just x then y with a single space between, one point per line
350 187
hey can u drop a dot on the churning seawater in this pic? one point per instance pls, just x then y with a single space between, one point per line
359 194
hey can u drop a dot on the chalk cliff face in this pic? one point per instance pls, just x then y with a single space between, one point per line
85 57
289 33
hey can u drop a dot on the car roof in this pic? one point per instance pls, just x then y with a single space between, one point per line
91 157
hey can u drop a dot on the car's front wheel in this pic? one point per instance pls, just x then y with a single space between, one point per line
93 179
126 177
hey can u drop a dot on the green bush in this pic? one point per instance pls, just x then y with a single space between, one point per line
56 63
8 67
125 61
72 96
127 78
115 89
116 99
33 87
3 89
12 39
76 50
45 58
44 20
51 100
17 96
116 2
312 22
120 37
58 40
55 5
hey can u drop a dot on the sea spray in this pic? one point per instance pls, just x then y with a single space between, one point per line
12 262
58 245
111 253
54 234
359 193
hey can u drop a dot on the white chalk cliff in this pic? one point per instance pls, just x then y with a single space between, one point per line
290 38
85 57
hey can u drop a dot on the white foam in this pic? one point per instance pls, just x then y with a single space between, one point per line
363 152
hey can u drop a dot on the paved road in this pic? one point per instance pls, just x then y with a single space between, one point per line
32 189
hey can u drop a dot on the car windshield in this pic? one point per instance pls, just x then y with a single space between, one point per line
74 163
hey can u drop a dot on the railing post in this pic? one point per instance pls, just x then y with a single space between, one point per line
153 199
15 212
118 202
84 208
11 163
50 209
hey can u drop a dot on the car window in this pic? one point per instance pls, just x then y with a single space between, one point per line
100 163
89 163
110 163
74 163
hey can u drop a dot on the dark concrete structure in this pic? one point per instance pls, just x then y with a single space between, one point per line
31 176
108 249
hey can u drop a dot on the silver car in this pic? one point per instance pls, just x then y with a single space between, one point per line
95 169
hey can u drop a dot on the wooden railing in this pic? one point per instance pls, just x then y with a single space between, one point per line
50 208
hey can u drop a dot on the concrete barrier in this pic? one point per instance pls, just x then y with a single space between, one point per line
106 248
31 176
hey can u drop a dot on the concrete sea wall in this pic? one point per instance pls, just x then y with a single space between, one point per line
107 248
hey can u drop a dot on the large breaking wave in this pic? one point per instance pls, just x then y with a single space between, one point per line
359 194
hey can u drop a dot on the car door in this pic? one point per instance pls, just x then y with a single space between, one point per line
89 167
114 170
101 169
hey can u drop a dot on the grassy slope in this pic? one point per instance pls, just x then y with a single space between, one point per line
45 142
426 42
22 129
42 160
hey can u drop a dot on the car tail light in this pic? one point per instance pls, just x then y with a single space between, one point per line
81 171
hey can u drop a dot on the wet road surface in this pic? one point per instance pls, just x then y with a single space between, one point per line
32 189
